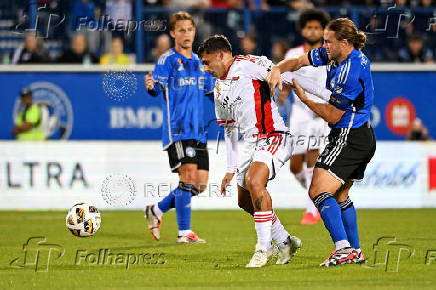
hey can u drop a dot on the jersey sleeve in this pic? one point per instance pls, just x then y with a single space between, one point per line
348 87
257 67
318 56
162 70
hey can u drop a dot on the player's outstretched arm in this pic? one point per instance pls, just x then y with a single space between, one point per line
329 113
292 64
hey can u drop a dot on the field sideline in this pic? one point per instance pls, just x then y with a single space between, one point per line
220 262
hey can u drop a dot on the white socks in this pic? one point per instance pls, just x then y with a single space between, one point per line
278 232
184 233
342 244
263 224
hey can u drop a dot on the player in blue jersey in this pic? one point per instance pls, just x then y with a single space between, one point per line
179 79
351 140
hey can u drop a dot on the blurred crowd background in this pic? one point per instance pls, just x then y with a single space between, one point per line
86 31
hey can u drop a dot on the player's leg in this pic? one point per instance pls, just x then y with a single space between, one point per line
202 166
244 200
349 218
154 212
193 176
255 180
322 190
284 241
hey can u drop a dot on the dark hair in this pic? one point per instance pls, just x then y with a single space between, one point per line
313 14
214 44
345 29
181 15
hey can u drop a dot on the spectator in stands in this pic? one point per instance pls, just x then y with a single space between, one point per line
300 4
248 45
416 51
81 9
163 43
28 123
78 52
119 10
427 3
32 51
418 132
228 4
116 57
279 49
188 4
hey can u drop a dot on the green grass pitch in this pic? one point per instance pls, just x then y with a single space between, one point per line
219 263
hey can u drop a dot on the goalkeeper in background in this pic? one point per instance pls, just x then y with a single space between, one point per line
179 79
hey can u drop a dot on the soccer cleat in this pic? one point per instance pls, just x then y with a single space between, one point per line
339 257
261 257
292 245
190 239
310 219
153 222
360 259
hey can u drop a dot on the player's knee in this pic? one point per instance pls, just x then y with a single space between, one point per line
313 192
254 184
189 175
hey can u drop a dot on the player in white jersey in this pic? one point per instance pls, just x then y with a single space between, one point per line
310 129
243 103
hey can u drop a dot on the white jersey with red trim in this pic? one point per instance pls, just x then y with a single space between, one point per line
243 97
317 75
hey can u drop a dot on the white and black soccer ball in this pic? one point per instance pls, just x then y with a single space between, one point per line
83 220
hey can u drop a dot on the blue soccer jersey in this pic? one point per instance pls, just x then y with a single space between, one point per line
183 84
351 86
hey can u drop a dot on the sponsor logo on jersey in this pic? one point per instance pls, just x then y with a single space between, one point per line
180 68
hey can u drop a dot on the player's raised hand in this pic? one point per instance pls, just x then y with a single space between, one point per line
298 90
148 81
273 78
226 181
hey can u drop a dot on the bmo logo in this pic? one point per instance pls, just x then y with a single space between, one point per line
400 114
128 117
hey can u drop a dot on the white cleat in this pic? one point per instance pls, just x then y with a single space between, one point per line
190 238
292 245
261 257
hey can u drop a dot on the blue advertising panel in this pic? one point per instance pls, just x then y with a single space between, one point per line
90 105
98 106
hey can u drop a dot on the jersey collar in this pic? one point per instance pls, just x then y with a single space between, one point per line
181 55
228 69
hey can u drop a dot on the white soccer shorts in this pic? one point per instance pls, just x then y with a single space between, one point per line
273 150
309 134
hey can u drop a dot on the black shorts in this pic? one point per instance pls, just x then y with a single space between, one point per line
188 151
348 152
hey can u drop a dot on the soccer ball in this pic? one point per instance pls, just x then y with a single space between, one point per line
83 220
